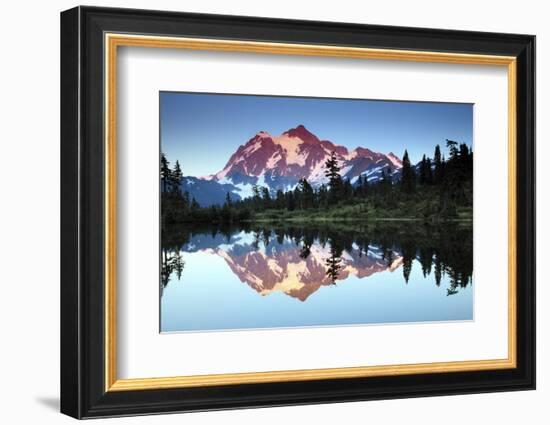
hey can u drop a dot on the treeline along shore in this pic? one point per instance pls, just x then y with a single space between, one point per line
436 189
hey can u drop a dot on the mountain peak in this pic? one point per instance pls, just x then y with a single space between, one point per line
298 128
301 132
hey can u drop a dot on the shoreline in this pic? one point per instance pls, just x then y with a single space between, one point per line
330 220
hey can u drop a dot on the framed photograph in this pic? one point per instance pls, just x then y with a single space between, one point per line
261 212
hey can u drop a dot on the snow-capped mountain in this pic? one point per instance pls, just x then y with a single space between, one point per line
279 162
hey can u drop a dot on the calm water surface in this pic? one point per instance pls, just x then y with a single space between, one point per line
270 276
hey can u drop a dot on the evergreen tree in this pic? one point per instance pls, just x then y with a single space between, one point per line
438 166
407 175
290 201
266 197
185 200
195 209
429 172
228 200
298 199
423 178
453 175
426 175
322 196
333 173
453 150
466 161
280 199
165 172
386 182
347 190
307 193
256 197
365 187
175 178
225 214
359 186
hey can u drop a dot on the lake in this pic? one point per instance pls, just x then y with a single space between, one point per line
273 275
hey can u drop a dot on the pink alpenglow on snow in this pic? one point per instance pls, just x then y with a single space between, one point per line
278 162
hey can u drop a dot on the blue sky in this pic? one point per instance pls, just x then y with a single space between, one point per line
203 130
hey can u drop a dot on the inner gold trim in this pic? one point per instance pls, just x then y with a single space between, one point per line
113 41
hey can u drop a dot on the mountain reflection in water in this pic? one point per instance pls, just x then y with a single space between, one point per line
300 262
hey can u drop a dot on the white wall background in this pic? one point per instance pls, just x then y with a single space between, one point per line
29 224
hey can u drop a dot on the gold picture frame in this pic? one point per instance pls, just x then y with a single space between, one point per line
114 41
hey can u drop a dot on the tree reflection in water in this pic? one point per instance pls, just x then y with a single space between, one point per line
441 250
172 263
334 262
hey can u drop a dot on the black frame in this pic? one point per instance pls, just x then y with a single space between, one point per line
82 206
